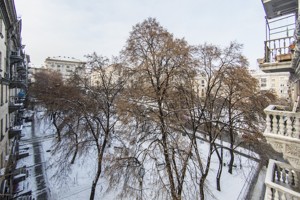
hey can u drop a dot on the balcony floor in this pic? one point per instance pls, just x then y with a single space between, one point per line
269 67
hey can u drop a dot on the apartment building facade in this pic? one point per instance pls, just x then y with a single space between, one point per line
64 65
277 82
282 54
13 87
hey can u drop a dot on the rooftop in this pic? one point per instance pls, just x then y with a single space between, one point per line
63 58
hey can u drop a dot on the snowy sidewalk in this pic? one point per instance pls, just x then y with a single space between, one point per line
30 146
42 190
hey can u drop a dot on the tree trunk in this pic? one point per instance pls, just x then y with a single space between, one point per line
201 187
166 153
95 181
76 149
169 169
230 165
99 165
56 126
74 156
231 138
219 173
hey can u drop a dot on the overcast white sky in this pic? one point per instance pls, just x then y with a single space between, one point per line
75 28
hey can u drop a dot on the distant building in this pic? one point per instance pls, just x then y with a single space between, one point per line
113 71
32 71
200 85
64 65
277 82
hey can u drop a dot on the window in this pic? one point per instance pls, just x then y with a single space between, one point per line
1 160
6 122
202 92
6 94
1 28
263 82
1 61
2 94
1 131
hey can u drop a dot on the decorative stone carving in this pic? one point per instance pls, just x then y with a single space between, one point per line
277 146
292 150
295 162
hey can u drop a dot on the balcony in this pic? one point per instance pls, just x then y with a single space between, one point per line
275 8
15 57
282 181
280 43
15 132
15 103
283 132
278 55
17 83
21 67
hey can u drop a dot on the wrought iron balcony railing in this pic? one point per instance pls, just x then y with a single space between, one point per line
279 50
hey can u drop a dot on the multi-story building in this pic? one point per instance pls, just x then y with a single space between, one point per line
64 65
282 54
277 82
32 71
110 73
13 86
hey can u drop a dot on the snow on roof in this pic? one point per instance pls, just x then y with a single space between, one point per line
64 58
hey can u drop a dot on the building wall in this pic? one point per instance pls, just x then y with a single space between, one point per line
65 65
4 96
278 82
11 71
113 71
201 85
32 71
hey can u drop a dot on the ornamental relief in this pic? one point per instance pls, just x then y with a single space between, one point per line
295 162
277 146
293 150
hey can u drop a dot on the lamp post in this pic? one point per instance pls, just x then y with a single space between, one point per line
141 176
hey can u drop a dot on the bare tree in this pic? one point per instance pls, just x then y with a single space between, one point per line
244 105
100 111
158 62
47 85
85 114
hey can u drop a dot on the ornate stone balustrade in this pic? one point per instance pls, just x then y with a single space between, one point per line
282 182
283 133
282 123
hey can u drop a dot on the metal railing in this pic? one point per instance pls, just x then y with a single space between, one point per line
277 47
280 40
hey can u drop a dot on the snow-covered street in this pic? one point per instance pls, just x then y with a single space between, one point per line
77 183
